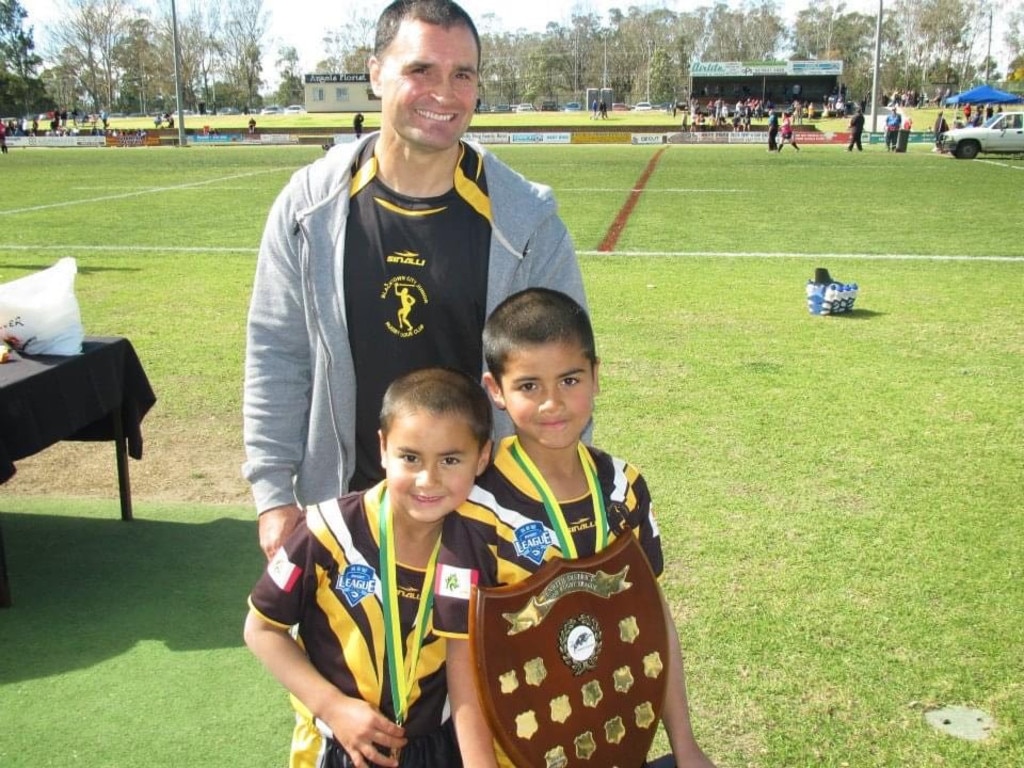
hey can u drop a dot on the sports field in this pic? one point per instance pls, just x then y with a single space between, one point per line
839 497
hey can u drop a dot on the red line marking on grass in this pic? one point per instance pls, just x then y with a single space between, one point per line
612 235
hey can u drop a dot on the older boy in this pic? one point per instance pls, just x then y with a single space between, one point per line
544 486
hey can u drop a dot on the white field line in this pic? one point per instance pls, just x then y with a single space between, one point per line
646 190
771 255
137 192
130 248
1001 164
666 254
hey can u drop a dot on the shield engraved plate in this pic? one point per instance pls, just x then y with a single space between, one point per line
572 664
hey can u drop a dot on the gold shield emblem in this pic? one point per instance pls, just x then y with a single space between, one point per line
571 664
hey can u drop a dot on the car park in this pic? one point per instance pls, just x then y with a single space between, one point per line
1000 134
295 109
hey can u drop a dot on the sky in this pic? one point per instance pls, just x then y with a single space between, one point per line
302 23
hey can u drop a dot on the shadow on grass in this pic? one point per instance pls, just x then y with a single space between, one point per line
85 590
82 270
858 314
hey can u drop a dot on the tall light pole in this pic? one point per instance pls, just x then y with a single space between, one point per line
177 75
874 74
988 55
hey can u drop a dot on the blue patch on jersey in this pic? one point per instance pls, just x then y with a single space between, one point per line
356 582
532 540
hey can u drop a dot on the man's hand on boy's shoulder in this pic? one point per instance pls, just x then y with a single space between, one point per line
275 525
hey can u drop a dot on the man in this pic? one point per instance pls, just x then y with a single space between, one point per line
357 125
773 131
384 256
893 121
856 131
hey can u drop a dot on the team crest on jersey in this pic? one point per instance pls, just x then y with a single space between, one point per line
532 541
356 582
410 295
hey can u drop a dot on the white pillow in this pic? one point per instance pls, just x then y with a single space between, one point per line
39 313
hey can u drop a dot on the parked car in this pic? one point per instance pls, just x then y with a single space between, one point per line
273 109
549 106
618 106
227 111
295 109
1000 134
573 106
643 106
501 108
524 107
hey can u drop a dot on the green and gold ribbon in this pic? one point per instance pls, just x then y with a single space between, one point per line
554 509
401 659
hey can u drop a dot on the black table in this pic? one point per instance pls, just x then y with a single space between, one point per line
101 394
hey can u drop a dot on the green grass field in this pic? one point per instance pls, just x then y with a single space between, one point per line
839 497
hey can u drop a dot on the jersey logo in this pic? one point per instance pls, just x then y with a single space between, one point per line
406 258
356 582
283 571
454 582
532 541
409 293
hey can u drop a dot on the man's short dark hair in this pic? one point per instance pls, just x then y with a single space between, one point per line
441 392
441 13
532 317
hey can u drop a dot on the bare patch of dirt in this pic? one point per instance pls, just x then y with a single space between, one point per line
186 462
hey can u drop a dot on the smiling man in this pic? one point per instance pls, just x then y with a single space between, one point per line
385 256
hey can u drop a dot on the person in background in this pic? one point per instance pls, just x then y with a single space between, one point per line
773 131
357 125
940 127
359 280
359 569
893 121
856 131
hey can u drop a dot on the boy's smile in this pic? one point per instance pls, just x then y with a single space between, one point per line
548 391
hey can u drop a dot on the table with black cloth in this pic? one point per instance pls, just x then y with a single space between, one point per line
100 394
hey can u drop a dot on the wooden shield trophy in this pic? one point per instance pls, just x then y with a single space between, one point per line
572 664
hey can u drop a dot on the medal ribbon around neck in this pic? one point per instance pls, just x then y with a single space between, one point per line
401 665
554 509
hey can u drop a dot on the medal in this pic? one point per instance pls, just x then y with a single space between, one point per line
554 509
401 659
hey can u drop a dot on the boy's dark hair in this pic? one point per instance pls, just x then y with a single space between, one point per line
442 392
441 13
531 317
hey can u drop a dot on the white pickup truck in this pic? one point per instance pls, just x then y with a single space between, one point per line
1001 133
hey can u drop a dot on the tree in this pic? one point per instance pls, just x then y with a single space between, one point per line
290 89
87 38
245 26
20 88
144 72
349 46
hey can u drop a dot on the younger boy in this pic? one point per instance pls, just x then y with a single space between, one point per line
366 670
544 486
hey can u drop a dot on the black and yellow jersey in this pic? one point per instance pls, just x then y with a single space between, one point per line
415 277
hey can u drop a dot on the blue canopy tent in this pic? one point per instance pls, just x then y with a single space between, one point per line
984 94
